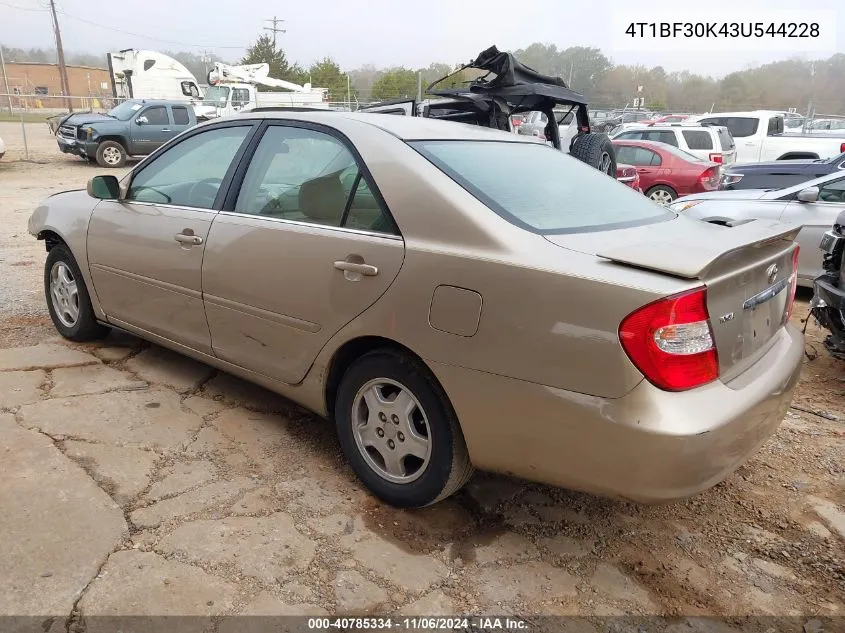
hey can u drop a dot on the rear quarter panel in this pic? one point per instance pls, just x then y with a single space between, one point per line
67 215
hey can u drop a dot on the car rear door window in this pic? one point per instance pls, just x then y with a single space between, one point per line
180 115
305 175
190 172
539 188
661 136
631 136
698 139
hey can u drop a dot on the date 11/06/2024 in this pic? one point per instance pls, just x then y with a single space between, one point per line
418 624
718 30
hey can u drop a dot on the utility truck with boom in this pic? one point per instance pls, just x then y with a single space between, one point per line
233 89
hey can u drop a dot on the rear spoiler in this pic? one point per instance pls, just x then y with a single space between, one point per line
694 260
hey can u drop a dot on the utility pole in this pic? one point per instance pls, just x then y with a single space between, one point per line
419 86
275 29
61 54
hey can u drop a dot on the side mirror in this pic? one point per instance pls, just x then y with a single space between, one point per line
141 120
104 188
810 194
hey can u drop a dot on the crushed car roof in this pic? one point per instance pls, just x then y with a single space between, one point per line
508 80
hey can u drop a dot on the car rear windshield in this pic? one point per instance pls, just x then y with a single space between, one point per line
726 139
539 188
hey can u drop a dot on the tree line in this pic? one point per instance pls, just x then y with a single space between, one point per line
793 83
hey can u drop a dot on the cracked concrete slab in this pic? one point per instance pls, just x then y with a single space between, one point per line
45 494
160 366
255 433
20 387
181 477
152 419
524 582
357 595
43 356
269 548
90 379
123 472
264 610
143 583
411 570
216 494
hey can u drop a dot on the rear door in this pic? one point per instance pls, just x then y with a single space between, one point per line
304 246
646 162
181 119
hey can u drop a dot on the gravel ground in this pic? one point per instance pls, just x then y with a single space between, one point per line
227 475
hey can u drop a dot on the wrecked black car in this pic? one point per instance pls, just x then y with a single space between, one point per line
828 303
506 88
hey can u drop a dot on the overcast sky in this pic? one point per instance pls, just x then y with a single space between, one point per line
394 32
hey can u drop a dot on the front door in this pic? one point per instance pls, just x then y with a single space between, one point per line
145 250
306 247
150 129
817 217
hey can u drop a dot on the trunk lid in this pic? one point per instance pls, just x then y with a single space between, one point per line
746 269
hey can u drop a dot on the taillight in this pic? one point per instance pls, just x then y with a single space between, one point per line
671 343
716 158
793 285
709 178
636 183
842 148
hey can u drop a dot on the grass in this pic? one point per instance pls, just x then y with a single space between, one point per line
28 117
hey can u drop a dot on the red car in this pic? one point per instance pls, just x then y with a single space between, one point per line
627 175
665 171
669 118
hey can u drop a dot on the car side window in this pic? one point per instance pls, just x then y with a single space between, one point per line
309 176
833 191
632 136
638 156
662 136
156 115
698 139
190 172
180 115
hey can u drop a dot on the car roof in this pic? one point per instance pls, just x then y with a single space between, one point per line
406 128
669 126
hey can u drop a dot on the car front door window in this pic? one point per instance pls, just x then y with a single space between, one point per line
189 173
156 116
833 191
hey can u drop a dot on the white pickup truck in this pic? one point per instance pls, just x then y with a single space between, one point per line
759 137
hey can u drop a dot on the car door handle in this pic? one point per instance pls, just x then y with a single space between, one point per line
182 238
354 267
166 130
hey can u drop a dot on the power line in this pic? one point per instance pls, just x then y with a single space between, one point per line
148 37
14 6
275 29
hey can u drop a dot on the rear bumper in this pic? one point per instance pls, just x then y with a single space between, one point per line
648 446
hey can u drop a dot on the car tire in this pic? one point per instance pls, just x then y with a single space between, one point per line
435 463
111 154
67 298
597 151
662 195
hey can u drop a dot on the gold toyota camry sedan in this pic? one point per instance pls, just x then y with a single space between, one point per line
451 296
